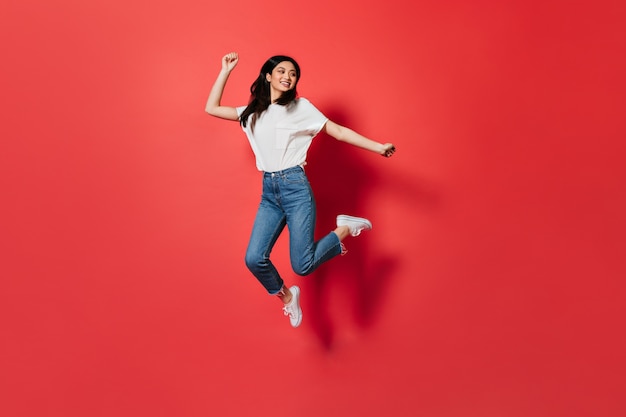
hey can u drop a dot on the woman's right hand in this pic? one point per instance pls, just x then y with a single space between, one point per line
229 61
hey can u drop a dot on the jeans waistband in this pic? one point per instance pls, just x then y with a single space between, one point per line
283 172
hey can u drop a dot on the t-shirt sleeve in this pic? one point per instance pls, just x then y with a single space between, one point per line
315 119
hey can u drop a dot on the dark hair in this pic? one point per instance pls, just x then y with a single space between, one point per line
260 98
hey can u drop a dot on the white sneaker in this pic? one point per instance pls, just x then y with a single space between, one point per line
356 224
293 309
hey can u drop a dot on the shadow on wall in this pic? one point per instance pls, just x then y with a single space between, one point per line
343 178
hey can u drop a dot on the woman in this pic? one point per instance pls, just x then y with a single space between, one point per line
280 128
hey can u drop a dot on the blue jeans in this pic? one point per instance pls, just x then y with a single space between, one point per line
287 200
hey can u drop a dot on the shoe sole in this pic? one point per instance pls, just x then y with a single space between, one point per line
296 294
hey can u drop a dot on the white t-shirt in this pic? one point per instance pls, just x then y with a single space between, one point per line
283 134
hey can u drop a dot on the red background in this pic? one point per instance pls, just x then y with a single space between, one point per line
491 284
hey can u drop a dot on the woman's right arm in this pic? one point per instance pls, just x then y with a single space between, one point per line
213 106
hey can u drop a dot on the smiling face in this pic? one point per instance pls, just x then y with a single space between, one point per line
283 78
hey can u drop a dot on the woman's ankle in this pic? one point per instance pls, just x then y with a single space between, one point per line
284 295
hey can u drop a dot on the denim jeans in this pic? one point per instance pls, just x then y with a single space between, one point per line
287 199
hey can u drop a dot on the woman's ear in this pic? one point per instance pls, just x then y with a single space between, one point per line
268 77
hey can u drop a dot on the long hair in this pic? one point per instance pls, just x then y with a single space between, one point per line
260 98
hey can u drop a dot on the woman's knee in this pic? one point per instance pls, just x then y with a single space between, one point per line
254 262
302 267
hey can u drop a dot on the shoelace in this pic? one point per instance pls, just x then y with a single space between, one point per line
357 229
287 310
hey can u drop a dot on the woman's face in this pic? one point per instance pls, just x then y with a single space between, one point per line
283 78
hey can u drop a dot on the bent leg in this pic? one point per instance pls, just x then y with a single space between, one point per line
306 254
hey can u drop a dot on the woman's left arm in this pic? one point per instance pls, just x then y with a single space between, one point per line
344 134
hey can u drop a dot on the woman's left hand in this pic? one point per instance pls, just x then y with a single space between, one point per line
388 150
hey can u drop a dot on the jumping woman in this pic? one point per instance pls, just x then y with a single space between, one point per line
280 127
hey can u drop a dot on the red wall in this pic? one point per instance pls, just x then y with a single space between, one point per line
491 284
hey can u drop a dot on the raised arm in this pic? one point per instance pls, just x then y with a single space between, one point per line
213 104
350 136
